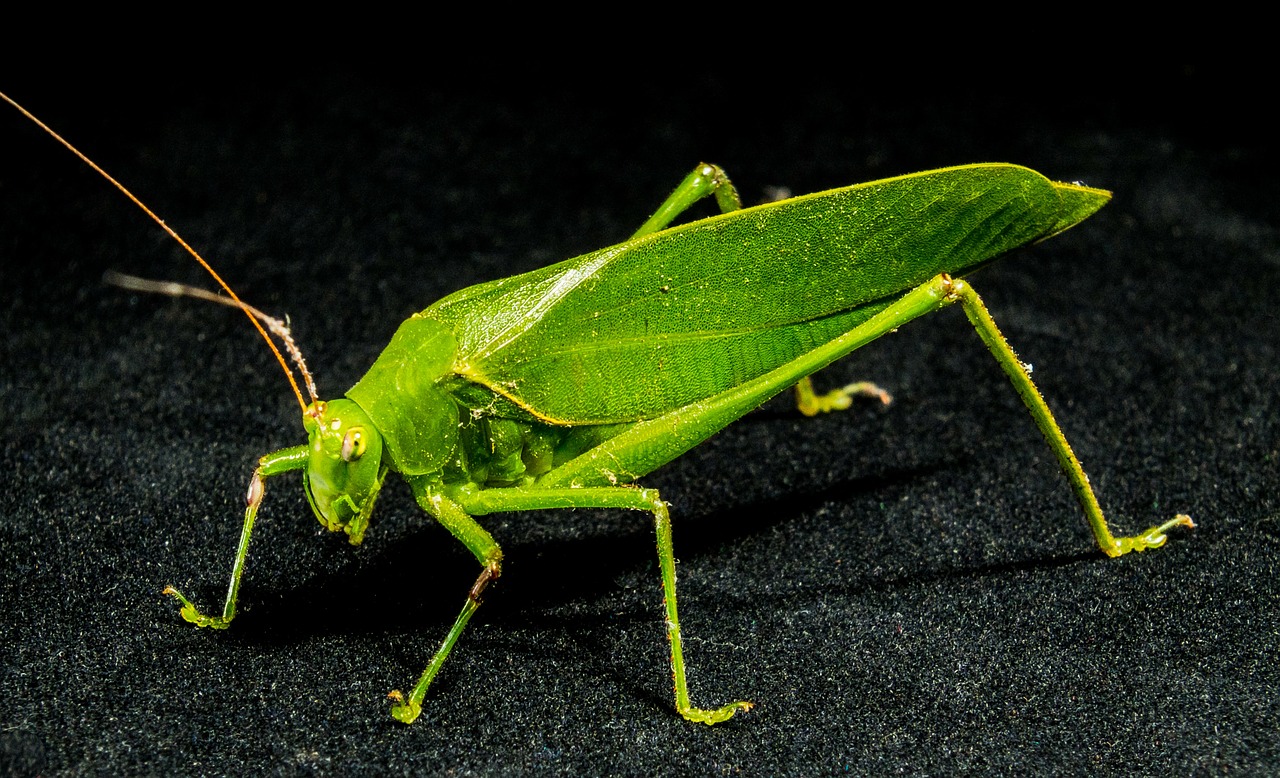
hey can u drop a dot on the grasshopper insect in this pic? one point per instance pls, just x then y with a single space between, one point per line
680 330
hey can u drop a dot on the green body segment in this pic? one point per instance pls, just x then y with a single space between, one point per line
451 431
402 395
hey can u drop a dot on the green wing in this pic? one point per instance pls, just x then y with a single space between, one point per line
635 330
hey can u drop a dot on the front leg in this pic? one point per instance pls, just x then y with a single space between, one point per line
274 463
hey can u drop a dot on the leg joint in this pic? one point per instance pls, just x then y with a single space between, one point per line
952 288
654 501
254 496
490 573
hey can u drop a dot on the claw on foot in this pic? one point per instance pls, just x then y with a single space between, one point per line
192 614
710 717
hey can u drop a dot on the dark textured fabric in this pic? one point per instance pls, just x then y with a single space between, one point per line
901 590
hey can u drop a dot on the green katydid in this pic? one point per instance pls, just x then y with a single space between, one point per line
678 331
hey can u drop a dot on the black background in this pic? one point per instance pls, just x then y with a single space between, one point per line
902 590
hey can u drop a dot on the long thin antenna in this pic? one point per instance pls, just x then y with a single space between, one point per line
248 310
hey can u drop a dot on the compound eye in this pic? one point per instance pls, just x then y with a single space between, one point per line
353 444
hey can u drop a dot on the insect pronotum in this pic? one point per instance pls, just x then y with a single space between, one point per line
475 404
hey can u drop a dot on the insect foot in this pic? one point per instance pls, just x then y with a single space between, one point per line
716 716
404 712
811 404
193 615
1152 538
